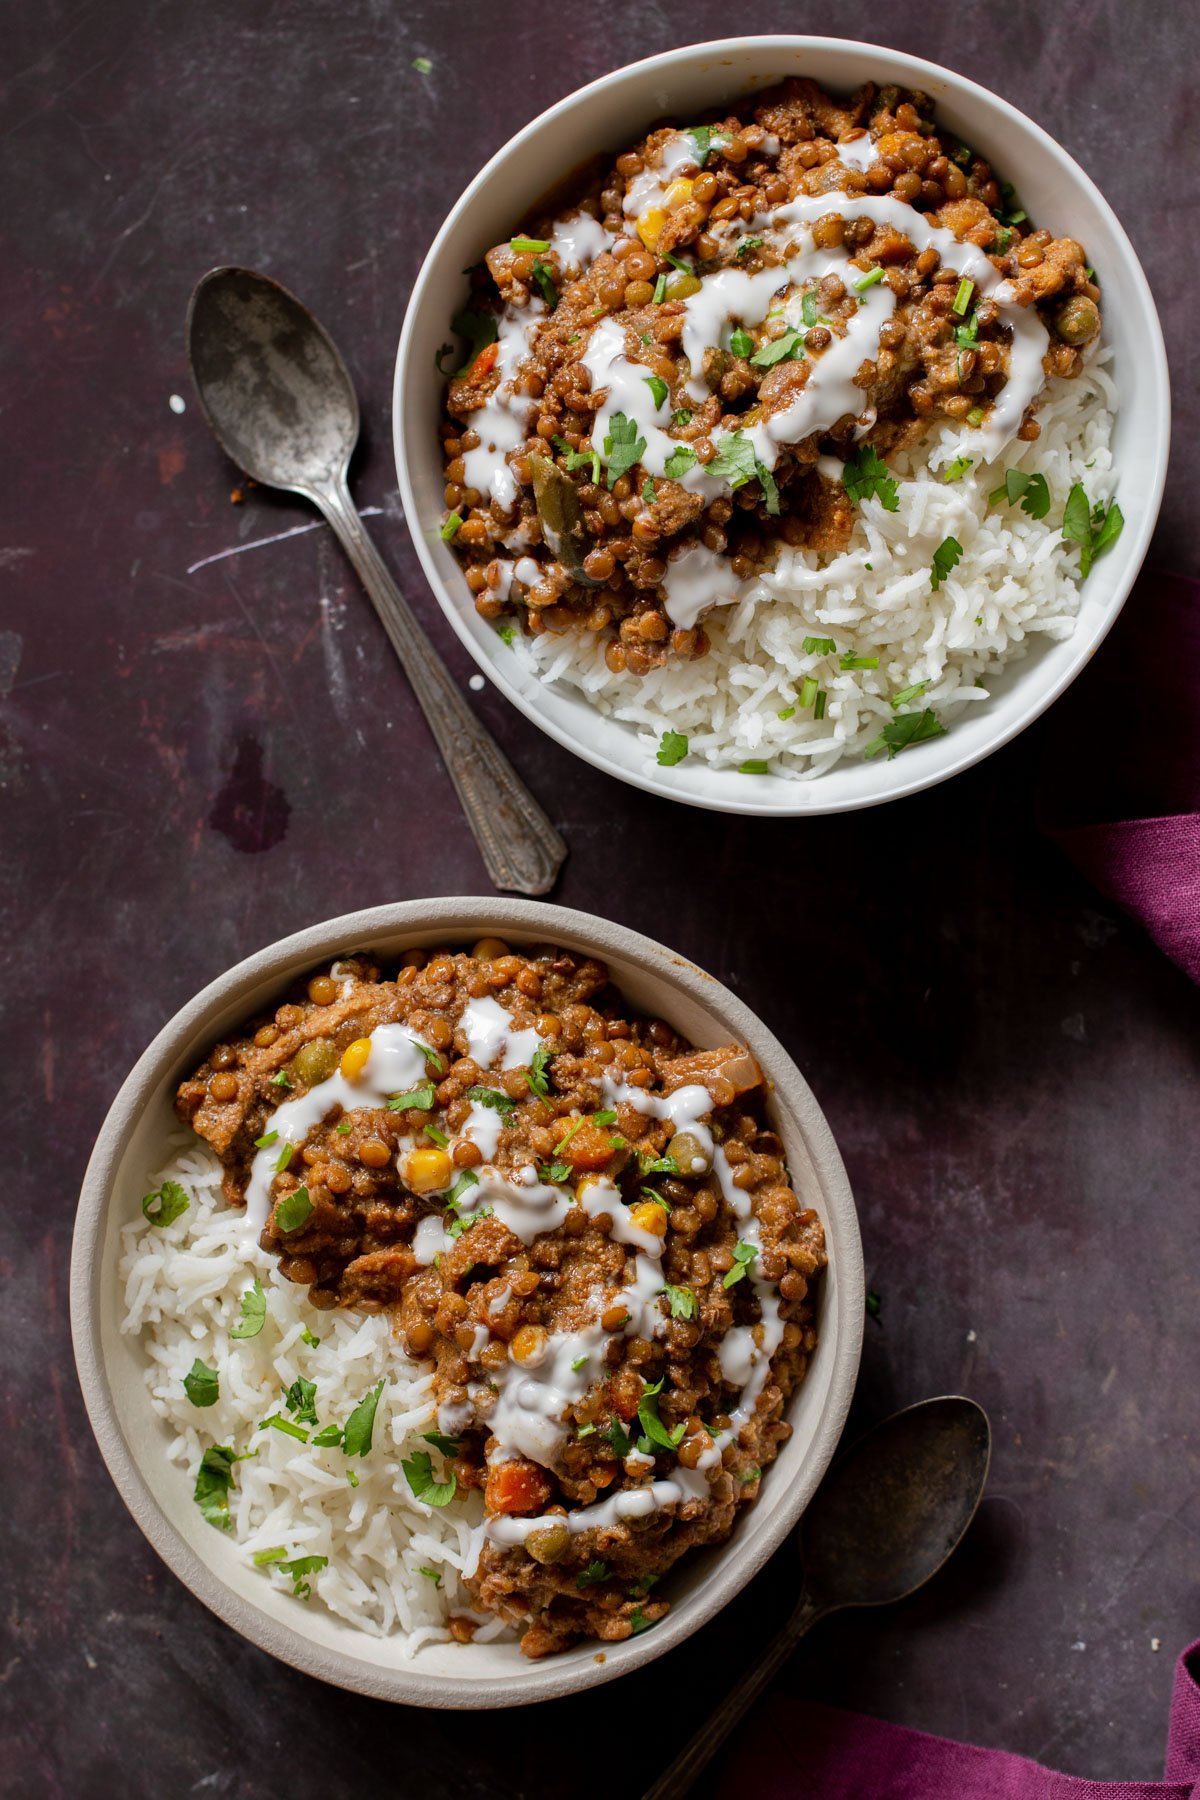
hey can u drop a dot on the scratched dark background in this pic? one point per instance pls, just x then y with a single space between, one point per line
200 752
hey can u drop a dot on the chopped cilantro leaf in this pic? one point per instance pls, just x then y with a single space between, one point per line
418 1470
735 460
165 1204
201 1385
214 1478
741 343
747 244
658 389
253 1312
908 728
358 1429
865 474
555 1171
447 1445
275 1555
957 468
791 344
1095 529
1031 490
328 1437
544 276
909 693
539 1080
468 1179
706 138
436 1137
608 1117
944 559
595 1571
639 1621
673 747
679 461
281 1080
819 646
293 1210
682 416
277 1423
309 1338
432 1057
622 446
493 1097
648 491
743 1256
618 1437
299 1400
422 1098
682 1301
298 1568
652 1425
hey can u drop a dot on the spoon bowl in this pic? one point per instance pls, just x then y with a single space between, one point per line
897 1505
275 390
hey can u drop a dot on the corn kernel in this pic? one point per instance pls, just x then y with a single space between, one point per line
428 1171
354 1058
649 1216
678 194
649 226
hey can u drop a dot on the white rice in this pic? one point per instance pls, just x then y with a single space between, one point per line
1017 577
183 1285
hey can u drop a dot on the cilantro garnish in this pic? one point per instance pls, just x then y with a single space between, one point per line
909 693
492 1097
682 1301
608 1117
658 296
436 1137
580 459
672 748
579 1363
284 1158
680 461
507 634
682 416
944 559
277 1423
748 1476
468 1179
292 1211
584 1431
868 280
1094 528
809 313
447 1445
747 244
639 1621
201 1385
865 474
791 344
649 1164
539 1081
735 461
649 492
652 1425
444 350
457 1226
309 1338
359 1427
432 1056
706 138
819 646
967 336
214 1478
595 1571
740 342
1031 490
299 1400
754 766
254 1312
479 329
909 728
165 1204
298 1568
430 1574
418 1470
658 389
622 446
555 1171
957 468
620 1440
281 1080
851 661
527 246
265 1142
451 527
328 1436
743 1256
420 1097
545 280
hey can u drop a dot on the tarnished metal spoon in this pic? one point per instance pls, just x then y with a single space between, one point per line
885 1520
281 403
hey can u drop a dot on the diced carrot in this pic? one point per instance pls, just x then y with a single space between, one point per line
485 362
517 1487
590 1147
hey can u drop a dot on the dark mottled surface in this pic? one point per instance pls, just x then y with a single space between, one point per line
197 759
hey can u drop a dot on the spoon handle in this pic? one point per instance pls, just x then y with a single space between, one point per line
679 1779
521 850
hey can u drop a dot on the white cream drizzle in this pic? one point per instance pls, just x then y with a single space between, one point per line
675 156
858 153
488 1028
503 420
696 579
628 1503
577 241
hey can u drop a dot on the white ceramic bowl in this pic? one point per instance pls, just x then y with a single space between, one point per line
133 1439
680 84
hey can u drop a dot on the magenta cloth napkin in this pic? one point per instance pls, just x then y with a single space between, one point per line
1120 791
802 1751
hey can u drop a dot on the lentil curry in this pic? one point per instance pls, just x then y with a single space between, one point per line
585 1223
717 344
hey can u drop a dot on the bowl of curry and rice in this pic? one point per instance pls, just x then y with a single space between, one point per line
802 445
467 1297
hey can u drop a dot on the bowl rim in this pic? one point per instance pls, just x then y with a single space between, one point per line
788 798
401 1681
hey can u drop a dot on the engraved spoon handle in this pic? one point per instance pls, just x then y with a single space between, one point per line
521 849
679 1779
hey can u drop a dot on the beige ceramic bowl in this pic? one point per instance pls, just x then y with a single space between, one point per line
681 84
133 1440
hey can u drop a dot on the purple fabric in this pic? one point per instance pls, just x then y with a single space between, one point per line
801 1751
1121 789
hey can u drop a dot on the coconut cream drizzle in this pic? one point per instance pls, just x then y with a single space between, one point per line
488 1028
503 420
577 241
